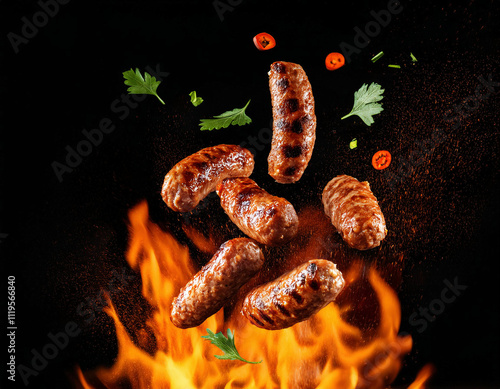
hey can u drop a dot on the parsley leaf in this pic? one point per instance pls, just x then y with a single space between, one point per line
365 103
353 144
236 116
226 345
139 85
195 100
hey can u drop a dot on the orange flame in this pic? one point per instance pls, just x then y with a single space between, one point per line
422 377
322 352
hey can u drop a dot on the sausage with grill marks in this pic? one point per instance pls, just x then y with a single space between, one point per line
266 218
354 211
294 122
233 265
295 296
193 178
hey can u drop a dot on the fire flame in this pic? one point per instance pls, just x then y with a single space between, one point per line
322 352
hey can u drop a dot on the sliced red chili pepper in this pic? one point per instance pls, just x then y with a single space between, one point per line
381 159
334 61
264 41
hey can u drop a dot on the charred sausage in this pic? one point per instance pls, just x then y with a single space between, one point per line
295 296
354 211
266 218
233 265
193 178
294 122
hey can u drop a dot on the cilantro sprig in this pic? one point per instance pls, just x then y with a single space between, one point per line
366 103
236 116
226 345
139 85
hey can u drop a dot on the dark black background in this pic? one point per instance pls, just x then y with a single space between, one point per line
65 238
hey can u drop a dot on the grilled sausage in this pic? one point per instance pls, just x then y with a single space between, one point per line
294 122
295 296
354 211
193 178
234 264
266 218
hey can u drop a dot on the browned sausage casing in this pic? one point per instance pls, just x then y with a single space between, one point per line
294 122
295 296
193 178
233 265
354 212
266 218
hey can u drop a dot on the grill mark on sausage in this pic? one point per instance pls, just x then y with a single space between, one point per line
292 105
290 171
270 212
245 195
283 84
311 269
243 199
210 156
297 126
265 317
281 308
279 67
297 297
292 151
188 175
314 284
201 166
255 319
301 279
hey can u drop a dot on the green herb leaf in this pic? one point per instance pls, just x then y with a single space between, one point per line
139 85
365 103
413 58
226 345
394 66
224 120
353 144
377 57
195 100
